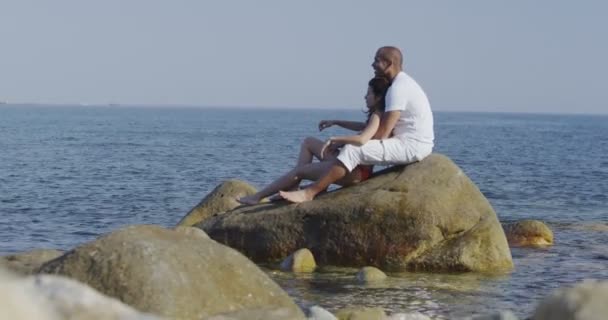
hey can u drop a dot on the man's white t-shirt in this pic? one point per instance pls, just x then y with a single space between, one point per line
416 121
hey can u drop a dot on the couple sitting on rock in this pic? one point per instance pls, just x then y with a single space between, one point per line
398 130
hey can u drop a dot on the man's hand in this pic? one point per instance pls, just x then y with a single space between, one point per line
326 147
324 124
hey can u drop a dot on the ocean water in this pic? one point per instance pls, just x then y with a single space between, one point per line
70 174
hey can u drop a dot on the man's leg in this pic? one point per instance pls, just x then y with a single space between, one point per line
336 172
349 158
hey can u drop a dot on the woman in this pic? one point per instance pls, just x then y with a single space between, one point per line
313 147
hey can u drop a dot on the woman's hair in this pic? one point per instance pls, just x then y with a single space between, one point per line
379 86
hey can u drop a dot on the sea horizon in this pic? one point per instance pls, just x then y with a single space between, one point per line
284 108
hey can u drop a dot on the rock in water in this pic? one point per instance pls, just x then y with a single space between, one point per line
528 233
425 216
179 275
300 261
370 274
222 198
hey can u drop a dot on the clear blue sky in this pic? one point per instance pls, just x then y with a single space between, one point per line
512 56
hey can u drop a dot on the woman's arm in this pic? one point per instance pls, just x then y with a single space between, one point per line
350 125
368 132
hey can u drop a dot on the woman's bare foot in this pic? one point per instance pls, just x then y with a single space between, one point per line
250 200
297 196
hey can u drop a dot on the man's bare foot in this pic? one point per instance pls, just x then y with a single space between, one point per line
248 200
297 196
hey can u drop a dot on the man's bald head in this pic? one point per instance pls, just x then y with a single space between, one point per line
392 55
388 62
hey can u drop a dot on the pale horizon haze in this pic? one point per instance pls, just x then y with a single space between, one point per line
496 56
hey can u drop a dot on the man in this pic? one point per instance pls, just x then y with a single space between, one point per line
407 116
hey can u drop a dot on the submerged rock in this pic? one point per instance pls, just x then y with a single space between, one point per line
318 313
585 301
28 262
499 315
408 316
222 198
370 274
360 313
260 314
594 226
179 275
425 216
528 233
300 261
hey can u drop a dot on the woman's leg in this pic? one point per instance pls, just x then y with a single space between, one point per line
290 180
310 147
284 182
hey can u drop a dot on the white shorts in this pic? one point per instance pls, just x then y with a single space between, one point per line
384 152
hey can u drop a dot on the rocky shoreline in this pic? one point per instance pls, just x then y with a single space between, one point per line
424 217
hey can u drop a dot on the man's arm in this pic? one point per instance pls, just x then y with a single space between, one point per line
387 123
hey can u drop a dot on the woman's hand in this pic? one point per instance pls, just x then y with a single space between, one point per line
324 124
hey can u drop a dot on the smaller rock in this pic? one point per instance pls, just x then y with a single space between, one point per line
528 233
318 313
300 261
26 263
259 314
370 274
584 301
221 199
408 316
500 315
359 313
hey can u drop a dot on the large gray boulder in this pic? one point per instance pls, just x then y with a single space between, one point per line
175 274
425 216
